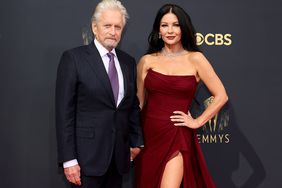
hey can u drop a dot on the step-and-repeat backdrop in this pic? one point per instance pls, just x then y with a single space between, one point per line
240 38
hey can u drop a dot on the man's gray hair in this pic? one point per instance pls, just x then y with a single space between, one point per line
109 5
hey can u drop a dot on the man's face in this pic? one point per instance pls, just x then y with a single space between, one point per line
108 28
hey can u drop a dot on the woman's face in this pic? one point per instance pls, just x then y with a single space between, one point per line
170 29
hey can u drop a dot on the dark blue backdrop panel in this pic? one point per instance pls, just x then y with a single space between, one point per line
240 38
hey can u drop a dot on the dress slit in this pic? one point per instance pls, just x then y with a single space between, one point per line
173 155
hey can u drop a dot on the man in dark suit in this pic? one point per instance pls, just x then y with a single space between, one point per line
97 111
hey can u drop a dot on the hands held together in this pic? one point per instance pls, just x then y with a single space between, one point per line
182 119
179 118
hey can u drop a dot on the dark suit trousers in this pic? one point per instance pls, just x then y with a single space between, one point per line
111 179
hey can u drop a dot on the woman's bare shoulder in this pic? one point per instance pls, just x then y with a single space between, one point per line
147 60
196 56
198 59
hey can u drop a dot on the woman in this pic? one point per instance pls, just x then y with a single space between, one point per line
167 79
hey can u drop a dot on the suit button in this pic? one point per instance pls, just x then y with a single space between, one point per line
113 130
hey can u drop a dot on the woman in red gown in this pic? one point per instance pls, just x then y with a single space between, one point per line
167 79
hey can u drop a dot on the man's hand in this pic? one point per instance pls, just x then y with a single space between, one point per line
134 152
73 174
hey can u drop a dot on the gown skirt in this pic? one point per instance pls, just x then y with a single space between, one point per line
163 140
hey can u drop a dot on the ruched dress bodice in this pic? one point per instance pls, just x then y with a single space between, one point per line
166 94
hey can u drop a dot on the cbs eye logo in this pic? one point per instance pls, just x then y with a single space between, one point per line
211 39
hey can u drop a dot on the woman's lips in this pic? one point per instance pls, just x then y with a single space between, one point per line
170 37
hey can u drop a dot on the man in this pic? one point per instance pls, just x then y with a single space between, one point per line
97 111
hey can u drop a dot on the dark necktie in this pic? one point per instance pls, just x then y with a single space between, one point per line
112 72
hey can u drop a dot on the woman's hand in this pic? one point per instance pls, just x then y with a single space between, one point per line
182 119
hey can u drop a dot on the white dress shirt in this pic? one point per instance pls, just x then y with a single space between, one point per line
103 53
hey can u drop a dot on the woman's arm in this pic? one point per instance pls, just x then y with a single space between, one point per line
206 73
142 70
213 83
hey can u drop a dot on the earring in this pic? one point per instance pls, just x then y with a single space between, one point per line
160 36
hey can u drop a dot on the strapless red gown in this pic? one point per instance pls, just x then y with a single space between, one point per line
162 139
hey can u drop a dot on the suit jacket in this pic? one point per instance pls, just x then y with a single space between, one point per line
89 125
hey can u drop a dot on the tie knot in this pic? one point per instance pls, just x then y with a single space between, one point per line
110 55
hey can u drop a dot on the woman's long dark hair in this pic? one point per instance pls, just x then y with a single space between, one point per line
188 38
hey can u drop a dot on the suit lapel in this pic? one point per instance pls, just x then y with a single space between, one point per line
124 70
97 65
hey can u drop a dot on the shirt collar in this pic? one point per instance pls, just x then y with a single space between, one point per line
102 50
